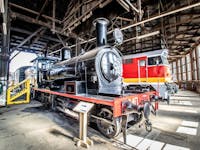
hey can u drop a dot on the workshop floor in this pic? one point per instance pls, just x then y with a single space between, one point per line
30 127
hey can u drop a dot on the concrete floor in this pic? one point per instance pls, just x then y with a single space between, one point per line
30 127
176 126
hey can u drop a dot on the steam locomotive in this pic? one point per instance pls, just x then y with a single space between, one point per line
94 76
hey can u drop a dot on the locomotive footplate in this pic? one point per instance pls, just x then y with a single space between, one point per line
114 113
114 102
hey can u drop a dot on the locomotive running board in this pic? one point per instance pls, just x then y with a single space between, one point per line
115 102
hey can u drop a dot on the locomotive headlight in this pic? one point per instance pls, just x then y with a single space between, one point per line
118 36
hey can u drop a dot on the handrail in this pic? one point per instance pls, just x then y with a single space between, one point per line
14 98
13 87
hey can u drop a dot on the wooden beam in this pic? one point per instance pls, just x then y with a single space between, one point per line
142 36
81 18
38 37
183 32
23 49
42 9
28 32
25 40
185 39
124 5
29 19
45 24
61 41
30 36
132 6
178 44
2 6
124 19
54 15
164 14
53 47
35 13
176 56
180 33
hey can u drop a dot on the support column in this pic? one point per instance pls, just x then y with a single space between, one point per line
186 68
181 68
4 53
192 65
177 71
197 63
172 68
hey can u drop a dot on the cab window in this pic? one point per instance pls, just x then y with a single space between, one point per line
128 61
154 60
142 63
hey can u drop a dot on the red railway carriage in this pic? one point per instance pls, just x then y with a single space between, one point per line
149 69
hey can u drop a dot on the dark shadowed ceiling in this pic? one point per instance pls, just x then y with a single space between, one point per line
48 25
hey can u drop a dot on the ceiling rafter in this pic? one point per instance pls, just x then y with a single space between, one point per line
176 32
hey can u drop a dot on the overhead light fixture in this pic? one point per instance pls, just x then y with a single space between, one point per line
2 6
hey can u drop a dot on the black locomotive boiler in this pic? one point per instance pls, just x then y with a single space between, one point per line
94 76
98 71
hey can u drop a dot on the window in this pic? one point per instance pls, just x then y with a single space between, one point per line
142 63
154 60
127 61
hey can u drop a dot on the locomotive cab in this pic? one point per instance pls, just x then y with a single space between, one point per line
160 65
42 65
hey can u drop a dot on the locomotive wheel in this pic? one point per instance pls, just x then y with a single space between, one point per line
148 126
107 129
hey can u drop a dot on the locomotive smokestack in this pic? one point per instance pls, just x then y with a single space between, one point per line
101 29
